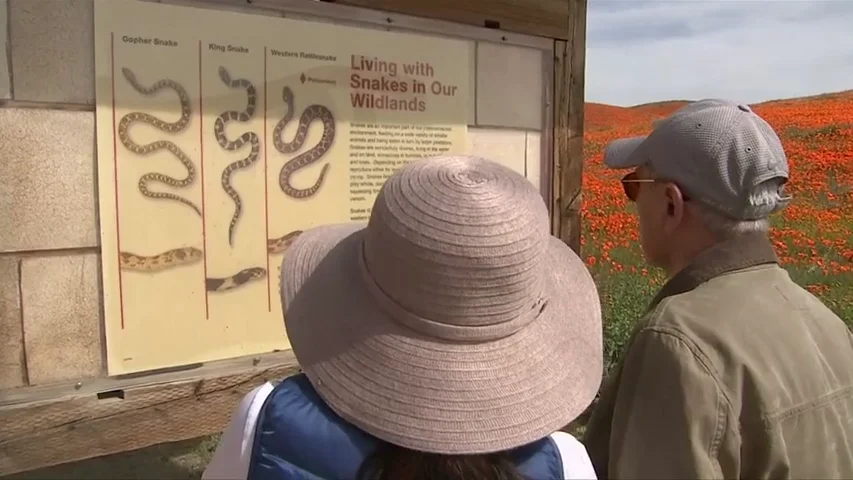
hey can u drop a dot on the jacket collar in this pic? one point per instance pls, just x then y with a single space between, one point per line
736 253
295 421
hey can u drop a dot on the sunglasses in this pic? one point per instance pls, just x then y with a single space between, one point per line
631 185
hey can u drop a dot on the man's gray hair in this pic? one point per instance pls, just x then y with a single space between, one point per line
723 227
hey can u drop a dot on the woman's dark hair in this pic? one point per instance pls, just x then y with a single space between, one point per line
391 462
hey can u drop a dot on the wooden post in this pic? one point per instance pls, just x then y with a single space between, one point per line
568 105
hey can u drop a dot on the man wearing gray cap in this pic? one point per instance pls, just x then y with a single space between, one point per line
734 371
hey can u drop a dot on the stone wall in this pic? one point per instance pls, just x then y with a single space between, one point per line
50 287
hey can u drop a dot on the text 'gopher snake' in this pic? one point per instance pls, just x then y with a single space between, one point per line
219 131
174 127
190 255
311 113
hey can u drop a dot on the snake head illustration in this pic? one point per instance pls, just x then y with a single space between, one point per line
128 74
257 272
287 95
223 74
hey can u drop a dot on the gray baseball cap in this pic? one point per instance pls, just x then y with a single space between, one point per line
718 152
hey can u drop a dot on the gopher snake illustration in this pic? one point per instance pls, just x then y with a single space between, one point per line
190 255
219 131
174 127
155 263
310 114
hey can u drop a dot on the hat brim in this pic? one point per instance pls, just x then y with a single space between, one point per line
623 153
423 394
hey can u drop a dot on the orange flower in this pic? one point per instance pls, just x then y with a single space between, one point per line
815 232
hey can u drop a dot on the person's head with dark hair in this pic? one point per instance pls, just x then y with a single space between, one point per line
390 462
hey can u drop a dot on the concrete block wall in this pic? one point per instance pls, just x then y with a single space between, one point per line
50 287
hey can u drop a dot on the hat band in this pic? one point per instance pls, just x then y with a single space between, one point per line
445 331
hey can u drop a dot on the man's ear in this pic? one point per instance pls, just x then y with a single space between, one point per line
675 205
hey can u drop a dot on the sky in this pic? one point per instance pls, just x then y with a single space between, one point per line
749 51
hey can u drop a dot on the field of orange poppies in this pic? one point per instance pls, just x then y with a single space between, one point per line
813 236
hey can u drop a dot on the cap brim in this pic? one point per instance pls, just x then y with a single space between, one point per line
421 393
620 154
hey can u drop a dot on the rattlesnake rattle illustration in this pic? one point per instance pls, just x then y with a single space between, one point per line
189 255
219 131
310 114
174 127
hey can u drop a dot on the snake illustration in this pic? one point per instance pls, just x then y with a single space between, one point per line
219 131
162 261
174 127
310 114
238 279
278 245
188 255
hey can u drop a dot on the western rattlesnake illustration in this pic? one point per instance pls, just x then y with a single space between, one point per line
219 131
173 127
310 114
279 245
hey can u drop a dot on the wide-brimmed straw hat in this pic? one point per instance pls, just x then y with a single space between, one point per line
452 322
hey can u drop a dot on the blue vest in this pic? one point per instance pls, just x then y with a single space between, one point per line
298 437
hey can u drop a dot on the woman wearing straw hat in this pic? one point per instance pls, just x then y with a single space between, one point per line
449 338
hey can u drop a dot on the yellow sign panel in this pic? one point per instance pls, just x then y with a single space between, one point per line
221 136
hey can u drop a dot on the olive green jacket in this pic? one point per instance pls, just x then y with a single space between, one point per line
734 372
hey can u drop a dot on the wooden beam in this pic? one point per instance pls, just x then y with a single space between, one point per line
569 66
98 386
544 18
41 434
337 12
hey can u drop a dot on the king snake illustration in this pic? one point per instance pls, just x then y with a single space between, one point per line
248 137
